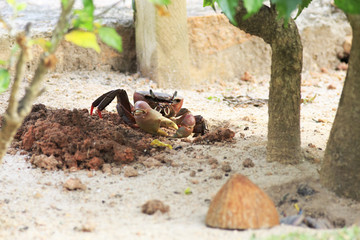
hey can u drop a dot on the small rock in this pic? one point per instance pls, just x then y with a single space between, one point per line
38 195
324 70
130 172
305 190
74 184
194 181
248 163
212 161
116 170
23 229
342 66
74 169
95 163
247 77
214 166
151 162
11 151
217 176
151 206
226 167
311 145
88 227
106 168
43 161
123 154
331 87
174 164
192 173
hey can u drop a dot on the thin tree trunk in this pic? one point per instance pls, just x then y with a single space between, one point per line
340 170
284 97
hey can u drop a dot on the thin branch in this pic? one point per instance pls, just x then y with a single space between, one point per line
16 114
21 40
97 16
33 90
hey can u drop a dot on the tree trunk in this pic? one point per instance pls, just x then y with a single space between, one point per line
284 97
340 170
162 44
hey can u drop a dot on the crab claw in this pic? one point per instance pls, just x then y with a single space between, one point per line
186 127
151 120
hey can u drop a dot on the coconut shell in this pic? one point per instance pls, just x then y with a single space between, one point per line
240 204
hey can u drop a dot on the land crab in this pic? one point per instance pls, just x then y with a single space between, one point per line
153 110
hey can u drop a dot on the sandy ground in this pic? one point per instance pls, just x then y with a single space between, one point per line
34 204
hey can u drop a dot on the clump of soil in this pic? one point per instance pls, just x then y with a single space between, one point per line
218 135
78 140
61 138
152 206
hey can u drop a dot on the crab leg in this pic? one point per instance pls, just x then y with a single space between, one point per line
186 127
199 127
123 106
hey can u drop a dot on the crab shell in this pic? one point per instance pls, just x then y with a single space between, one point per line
168 105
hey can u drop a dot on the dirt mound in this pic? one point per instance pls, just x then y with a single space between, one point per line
61 138
79 140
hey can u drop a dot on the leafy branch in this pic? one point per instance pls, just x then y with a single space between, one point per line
283 7
76 26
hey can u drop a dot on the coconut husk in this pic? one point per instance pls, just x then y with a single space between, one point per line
240 204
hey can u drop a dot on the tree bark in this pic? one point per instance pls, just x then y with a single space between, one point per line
162 44
284 96
340 170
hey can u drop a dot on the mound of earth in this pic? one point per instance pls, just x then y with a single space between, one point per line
61 138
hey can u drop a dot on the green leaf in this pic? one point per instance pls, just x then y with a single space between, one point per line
16 6
89 7
188 191
160 2
11 2
304 4
3 62
252 7
83 20
21 6
349 6
110 37
229 9
285 7
210 3
4 79
158 143
83 39
85 17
